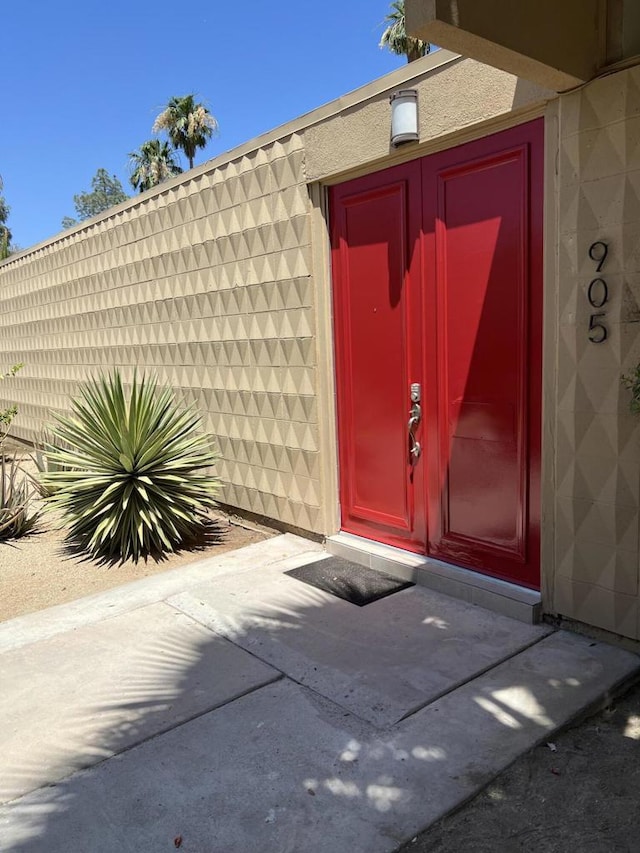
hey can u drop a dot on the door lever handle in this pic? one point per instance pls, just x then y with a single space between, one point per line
415 416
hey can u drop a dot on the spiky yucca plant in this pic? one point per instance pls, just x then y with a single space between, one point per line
43 449
135 481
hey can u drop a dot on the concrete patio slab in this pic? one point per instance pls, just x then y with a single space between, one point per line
73 700
381 662
282 769
470 735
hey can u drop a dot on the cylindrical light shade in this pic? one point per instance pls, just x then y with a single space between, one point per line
404 116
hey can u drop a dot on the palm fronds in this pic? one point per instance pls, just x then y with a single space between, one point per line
189 125
395 35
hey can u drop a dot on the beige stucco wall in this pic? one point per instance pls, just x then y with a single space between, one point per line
593 439
460 101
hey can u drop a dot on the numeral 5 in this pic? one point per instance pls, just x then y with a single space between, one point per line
597 331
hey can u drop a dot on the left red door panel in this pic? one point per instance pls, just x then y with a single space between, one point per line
375 247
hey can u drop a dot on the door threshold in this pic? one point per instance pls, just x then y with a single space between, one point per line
502 597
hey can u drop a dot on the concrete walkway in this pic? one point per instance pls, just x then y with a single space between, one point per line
226 707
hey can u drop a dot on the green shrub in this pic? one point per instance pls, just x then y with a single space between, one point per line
134 479
7 415
631 381
16 519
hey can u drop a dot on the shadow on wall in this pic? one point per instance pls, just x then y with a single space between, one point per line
527 93
280 763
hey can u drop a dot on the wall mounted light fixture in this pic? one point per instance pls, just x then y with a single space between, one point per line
404 117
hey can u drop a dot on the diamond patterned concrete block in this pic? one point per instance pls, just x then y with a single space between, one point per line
601 533
632 94
604 104
209 284
602 152
597 452
593 605
612 481
570 160
630 299
603 392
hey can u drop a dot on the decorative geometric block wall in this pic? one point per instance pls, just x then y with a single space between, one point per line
597 452
209 285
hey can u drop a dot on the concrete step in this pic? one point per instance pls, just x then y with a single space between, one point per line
499 596
381 661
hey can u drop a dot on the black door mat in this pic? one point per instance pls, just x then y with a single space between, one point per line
350 581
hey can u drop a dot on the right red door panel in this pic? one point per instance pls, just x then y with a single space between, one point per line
482 279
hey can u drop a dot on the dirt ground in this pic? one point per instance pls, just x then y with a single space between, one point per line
584 797
37 571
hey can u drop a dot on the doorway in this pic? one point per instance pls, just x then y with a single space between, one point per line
437 273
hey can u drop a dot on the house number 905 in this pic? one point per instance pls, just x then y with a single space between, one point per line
598 294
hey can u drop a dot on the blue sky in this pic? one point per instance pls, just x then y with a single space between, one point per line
82 88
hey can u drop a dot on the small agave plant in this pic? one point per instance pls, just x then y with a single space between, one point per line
16 517
129 472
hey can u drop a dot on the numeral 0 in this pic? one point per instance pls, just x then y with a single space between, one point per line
592 292
598 252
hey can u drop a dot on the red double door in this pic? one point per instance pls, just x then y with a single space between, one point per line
437 272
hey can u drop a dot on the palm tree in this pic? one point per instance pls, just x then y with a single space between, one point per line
152 164
395 36
188 125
